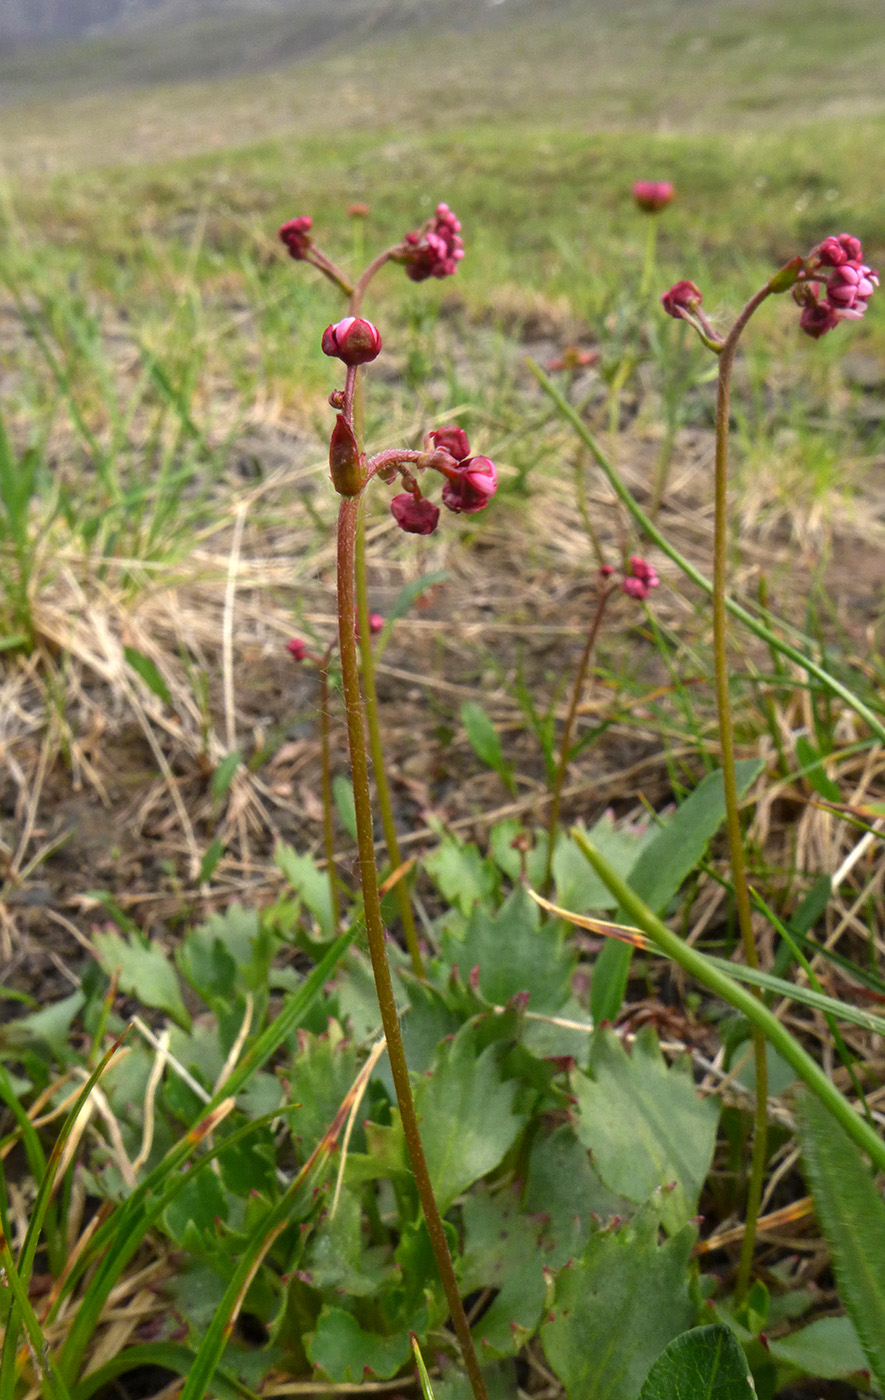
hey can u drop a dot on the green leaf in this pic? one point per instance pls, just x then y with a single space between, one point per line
320 1075
485 743
658 875
346 1353
309 883
561 1184
145 972
342 790
828 1349
502 1251
461 874
515 952
616 1309
704 1364
852 1216
224 773
51 1025
209 863
645 1125
578 887
813 769
144 667
467 1116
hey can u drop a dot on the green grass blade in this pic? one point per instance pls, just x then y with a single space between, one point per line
172 1356
21 1307
121 1234
725 985
852 1216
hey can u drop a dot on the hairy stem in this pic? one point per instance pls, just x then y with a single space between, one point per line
382 787
565 748
729 783
348 516
328 825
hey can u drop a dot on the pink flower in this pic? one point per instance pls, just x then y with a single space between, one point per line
682 296
838 249
376 623
472 487
639 568
297 648
641 579
435 249
653 195
849 288
817 319
296 236
352 340
453 440
415 514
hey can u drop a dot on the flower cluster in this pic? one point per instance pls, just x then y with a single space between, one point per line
846 291
435 249
653 195
469 486
640 580
831 284
295 233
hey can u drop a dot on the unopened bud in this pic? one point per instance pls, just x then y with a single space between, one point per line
345 463
352 340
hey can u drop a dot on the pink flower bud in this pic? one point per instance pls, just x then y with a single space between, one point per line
635 588
358 210
352 340
838 249
849 289
817 318
641 578
376 623
297 647
435 249
653 195
606 570
296 236
682 296
473 486
415 514
640 569
453 440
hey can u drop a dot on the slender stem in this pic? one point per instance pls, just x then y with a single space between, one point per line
356 296
328 825
648 527
565 747
382 787
355 409
705 971
729 781
348 516
648 266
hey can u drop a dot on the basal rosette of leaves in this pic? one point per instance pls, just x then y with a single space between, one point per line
569 1168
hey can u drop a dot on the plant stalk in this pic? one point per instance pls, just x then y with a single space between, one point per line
328 824
348 516
784 648
565 748
729 783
